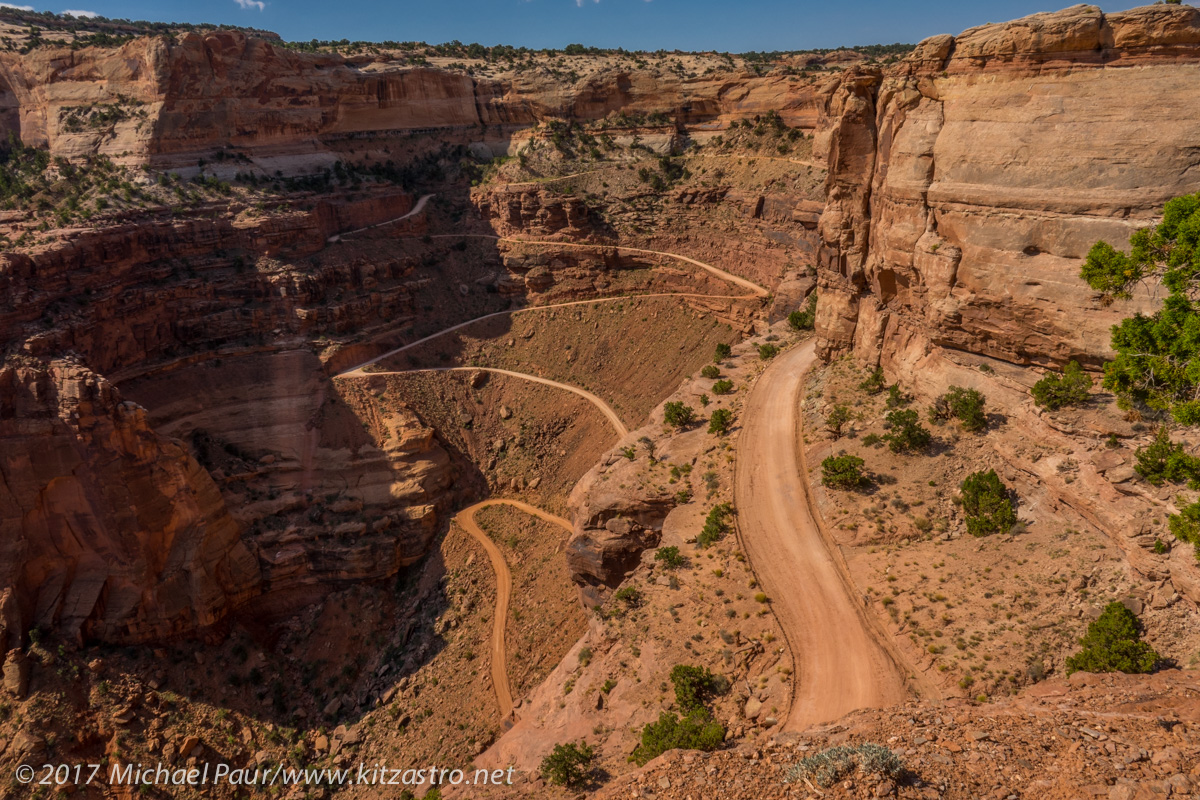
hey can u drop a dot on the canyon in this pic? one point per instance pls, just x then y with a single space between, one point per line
317 310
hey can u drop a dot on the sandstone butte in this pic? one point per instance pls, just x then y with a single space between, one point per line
963 186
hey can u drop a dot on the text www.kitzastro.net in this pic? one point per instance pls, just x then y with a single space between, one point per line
279 775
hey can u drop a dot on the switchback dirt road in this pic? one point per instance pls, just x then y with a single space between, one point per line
843 661
604 407
466 519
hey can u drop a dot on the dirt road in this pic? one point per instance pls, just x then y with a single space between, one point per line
547 307
466 519
604 407
417 209
842 661
750 286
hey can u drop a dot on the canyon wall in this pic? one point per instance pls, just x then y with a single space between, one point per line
967 184
107 529
965 189
170 103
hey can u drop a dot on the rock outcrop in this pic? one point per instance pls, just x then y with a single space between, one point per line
965 189
966 185
107 529
168 103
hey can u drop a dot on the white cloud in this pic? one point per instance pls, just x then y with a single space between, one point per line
246 5
581 2
81 14
17 7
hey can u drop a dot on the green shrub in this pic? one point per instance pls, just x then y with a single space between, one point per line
695 686
568 765
670 557
1069 389
843 472
677 415
897 398
838 763
723 352
716 525
722 387
697 730
631 596
1158 355
1163 461
906 433
986 504
720 421
836 419
767 351
1185 526
1113 643
804 319
965 404
710 371
873 383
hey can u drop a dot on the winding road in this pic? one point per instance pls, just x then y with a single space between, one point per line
604 407
466 519
417 209
843 661
750 286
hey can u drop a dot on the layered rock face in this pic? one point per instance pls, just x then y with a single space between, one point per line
108 530
967 185
170 103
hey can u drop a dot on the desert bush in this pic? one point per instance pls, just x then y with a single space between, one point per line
568 764
838 763
1069 389
722 387
1113 643
805 318
630 596
767 351
1185 526
716 525
836 419
723 352
967 405
720 421
896 397
873 383
1164 461
905 431
677 415
695 686
710 371
696 730
843 472
670 557
986 504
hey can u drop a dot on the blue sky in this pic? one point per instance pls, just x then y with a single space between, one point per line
634 24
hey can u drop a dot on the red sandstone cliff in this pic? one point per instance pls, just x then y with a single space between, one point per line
965 189
966 186
181 101
108 530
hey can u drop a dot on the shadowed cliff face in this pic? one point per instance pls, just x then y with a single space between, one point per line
110 530
966 186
